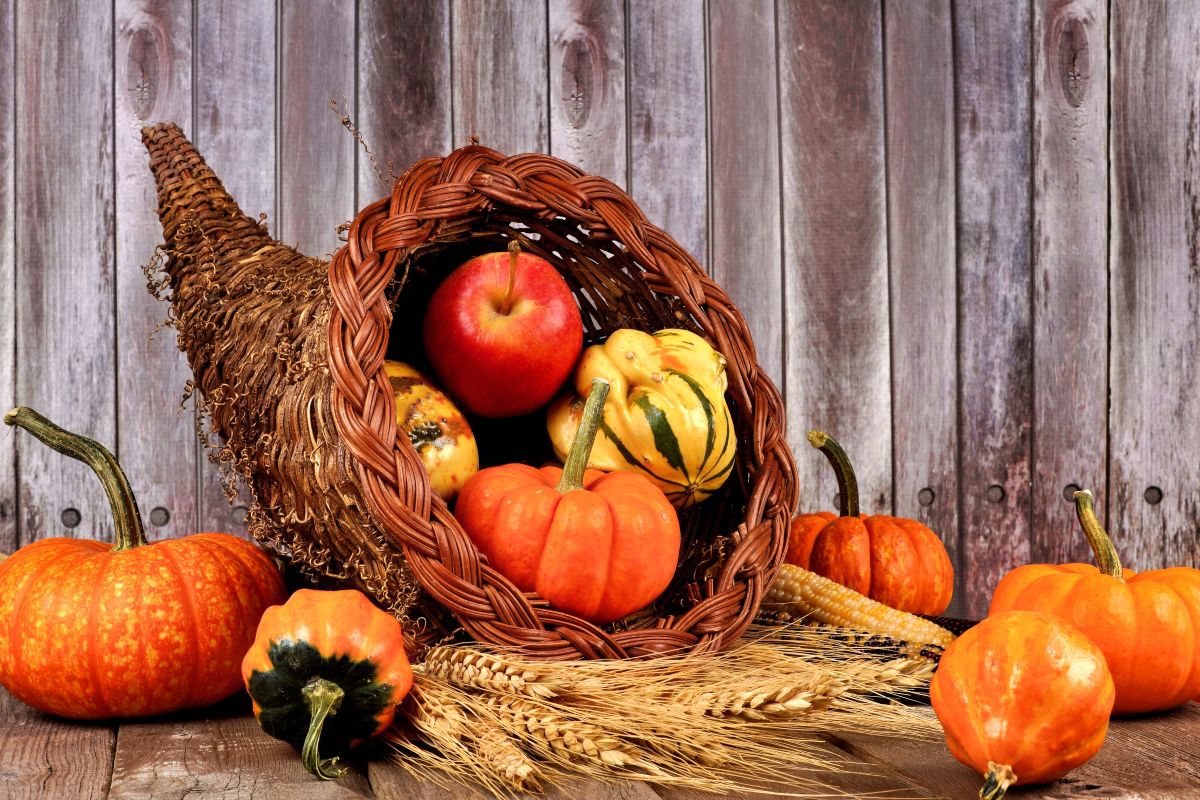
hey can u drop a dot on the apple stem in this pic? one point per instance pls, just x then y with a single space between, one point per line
514 250
585 437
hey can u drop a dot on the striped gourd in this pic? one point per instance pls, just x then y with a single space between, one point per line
666 415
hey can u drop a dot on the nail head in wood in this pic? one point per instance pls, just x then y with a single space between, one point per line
71 517
238 515
1069 492
159 517
1153 495
837 500
926 496
995 493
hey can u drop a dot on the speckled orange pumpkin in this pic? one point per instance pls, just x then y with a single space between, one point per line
93 630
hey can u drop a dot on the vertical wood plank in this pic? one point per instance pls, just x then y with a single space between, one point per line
587 85
1070 270
316 154
1154 361
667 119
992 48
500 74
835 252
156 439
744 229
65 293
235 115
403 88
922 265
8 273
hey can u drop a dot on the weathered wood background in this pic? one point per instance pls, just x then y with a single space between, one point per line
966 236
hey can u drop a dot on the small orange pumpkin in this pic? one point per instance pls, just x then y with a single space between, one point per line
898 562
597 545
1023 698
92 630
1146 624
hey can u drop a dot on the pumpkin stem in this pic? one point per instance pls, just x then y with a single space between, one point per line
323 697
514 250
126 517
585 437
1098 538
846 480
999 777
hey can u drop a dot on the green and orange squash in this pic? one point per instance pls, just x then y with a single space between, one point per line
326 672
597 545
93 630
666 417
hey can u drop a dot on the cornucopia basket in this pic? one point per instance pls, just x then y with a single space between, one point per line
288 353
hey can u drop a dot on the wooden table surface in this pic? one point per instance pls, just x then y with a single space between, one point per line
221 753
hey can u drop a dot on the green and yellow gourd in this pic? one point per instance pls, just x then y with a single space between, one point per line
665 417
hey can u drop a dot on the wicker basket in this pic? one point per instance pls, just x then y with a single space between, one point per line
288 353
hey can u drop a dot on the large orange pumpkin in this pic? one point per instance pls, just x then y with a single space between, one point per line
1023 698
1147 624
92 630
896 561
597 545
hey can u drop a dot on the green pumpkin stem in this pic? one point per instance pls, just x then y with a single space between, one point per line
1102 545
126 517
846 480
999 777
585 437
323 697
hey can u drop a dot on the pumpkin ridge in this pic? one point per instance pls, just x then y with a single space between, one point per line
665 441
215 553
16 634
188 601
710 438
92 639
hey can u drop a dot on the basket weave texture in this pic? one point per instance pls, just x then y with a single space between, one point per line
288 352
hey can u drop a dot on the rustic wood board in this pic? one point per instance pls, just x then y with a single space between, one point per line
44 757
922 274
744 231
587 86
316 154
835 251
8 273
65 295
1070 271
667 126
995 338
403 89
499 74
156 439
391 782
235 111
219 754
1154 362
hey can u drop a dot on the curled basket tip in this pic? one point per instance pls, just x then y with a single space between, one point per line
328 444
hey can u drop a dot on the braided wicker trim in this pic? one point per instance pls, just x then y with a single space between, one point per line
625 272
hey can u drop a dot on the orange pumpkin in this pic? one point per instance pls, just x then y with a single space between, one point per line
896 561
597 545
1146 624
92 630
1023 698
326 672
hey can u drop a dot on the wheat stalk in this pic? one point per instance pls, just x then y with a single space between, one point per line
507 761
477 669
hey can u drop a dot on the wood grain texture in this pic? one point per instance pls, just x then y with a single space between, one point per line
1138 760
667 119
922 265
992 44
220 758
1070 270
744 224
235 87
156 439
587 85
8 272
316 154
390 781
403 89
46 758
1154 365
499 74
64 256
835 250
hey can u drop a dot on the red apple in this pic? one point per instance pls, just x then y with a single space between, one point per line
503 333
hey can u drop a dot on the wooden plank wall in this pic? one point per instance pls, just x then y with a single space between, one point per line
965 234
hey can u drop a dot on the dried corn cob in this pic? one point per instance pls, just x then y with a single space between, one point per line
807 593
